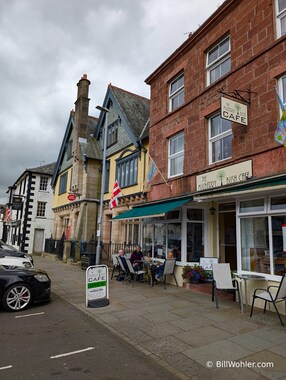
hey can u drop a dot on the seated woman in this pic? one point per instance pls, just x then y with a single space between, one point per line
137 258
158 270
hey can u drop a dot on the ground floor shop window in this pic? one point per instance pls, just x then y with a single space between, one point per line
174 236
263 237
132 233
254 244
160 238
194 242
180 231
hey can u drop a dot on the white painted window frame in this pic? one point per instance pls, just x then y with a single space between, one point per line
279 16
219 61
179 91
216 138
175 155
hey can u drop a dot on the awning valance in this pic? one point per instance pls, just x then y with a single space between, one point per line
152 210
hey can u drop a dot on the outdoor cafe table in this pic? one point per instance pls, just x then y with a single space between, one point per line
148 262
248 277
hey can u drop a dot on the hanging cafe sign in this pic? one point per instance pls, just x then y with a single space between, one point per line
228 175
233 111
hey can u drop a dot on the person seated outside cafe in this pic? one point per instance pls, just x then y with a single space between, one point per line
137 258
121 277
158 270
120 253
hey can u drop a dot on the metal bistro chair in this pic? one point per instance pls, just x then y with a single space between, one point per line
223 281
115 265
133 273
271 296
123 266
169 270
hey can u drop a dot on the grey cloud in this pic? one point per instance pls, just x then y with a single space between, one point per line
46 46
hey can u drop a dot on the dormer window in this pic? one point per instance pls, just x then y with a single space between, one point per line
112 133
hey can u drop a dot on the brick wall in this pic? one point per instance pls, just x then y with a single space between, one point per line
257 60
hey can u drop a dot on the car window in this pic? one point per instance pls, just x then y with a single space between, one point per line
7 247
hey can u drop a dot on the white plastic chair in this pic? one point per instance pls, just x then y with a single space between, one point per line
268 295
223 281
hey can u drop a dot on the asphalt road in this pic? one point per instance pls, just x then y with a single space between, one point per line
57 341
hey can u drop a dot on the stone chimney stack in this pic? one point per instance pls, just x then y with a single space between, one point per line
81 107
80 132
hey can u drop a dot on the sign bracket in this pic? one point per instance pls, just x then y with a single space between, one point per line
243 95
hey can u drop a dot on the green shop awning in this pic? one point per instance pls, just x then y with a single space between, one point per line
152 210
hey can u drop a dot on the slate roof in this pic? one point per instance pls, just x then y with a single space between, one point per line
44 169
135 107
91 149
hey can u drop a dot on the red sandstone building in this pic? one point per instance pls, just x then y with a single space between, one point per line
220 188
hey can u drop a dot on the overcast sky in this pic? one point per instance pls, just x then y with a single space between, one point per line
46 46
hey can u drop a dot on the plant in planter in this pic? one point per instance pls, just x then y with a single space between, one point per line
194 273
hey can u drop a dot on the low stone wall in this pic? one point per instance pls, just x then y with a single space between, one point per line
207 289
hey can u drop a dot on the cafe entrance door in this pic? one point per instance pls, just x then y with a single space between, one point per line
227 235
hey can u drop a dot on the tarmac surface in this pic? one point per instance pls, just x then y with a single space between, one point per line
181 329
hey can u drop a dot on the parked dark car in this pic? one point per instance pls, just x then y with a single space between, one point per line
21 287
9 250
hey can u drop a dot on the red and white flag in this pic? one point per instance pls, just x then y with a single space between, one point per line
8 215
115 195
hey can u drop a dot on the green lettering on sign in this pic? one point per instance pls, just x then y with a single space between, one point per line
98 284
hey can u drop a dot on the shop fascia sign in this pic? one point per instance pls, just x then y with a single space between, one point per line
227 176
233 111
16 203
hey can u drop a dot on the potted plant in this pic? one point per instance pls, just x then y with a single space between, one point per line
194 274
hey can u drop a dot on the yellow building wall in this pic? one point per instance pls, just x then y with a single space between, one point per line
60 200
142 173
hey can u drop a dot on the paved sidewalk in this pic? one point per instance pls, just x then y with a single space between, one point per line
182 329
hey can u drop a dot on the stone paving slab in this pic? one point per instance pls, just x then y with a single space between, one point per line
181 329
200 337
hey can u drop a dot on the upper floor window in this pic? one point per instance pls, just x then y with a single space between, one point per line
41 209
44 183
218 61
127 171
112 133
69 149
220 139
282 88
176 93
176 155
281 17
63 183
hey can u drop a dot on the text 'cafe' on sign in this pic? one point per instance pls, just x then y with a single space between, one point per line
233 111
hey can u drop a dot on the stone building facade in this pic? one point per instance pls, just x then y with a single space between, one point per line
224 190
77 177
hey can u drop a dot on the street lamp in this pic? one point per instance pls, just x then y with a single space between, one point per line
99 223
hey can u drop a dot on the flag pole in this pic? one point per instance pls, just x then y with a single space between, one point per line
161 174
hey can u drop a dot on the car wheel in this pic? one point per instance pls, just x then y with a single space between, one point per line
17 297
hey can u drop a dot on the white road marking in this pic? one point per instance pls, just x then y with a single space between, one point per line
7 367
29 315
72 353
